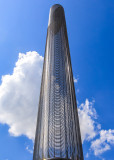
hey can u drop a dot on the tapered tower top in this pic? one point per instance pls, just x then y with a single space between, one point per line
56 6
56 17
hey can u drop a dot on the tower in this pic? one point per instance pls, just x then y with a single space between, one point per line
57 131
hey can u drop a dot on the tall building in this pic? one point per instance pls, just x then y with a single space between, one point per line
58 131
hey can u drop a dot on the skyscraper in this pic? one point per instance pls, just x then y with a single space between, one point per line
58 131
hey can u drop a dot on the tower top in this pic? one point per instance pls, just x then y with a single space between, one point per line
56 11
56 6
56 18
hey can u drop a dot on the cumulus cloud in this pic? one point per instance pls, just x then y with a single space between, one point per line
104 142
19 93
90 129
87 116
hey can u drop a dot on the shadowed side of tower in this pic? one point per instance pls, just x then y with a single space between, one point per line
57 131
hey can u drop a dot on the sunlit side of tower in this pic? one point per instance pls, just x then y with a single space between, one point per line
57 132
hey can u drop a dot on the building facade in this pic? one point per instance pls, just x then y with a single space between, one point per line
57 132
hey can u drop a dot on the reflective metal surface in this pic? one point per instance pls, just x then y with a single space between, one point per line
57 132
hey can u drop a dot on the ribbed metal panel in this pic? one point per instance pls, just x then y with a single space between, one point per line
57 132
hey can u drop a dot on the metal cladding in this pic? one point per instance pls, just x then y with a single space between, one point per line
57 132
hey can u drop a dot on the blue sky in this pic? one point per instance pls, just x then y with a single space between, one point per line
23 28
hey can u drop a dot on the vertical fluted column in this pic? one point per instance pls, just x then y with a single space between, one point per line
57 131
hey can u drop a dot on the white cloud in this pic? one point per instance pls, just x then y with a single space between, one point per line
90 129
87 116
87 155
104 143
76 79
19 94
77 91
29 150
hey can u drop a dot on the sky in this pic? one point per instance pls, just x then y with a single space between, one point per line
23 29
